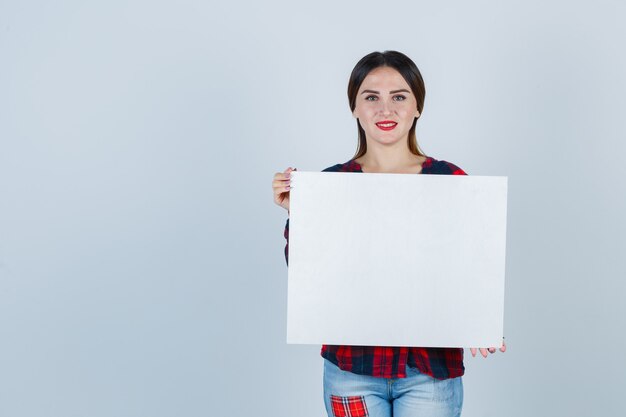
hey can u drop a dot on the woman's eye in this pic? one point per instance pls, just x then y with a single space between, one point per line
399 98
371 98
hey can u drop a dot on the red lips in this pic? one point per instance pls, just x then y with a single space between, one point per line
386 124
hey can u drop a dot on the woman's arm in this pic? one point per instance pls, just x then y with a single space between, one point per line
281 187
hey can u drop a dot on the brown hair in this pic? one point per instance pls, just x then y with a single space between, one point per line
411 75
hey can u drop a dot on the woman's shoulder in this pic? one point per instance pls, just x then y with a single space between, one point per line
349 166
440 167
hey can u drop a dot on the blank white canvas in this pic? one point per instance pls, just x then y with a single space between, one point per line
396 259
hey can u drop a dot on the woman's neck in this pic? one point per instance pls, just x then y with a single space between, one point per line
391 161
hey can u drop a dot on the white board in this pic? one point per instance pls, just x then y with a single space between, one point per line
396 259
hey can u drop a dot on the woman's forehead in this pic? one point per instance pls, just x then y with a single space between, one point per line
384 77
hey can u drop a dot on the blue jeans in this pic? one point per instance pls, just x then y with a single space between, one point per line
418 395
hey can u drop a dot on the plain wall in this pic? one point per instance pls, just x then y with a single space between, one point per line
141 254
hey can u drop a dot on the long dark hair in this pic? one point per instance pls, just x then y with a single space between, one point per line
409 72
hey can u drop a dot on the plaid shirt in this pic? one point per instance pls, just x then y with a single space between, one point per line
390 362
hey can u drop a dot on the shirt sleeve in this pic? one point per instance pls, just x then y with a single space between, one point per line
455 170
286 234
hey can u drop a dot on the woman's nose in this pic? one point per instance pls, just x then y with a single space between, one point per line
385 107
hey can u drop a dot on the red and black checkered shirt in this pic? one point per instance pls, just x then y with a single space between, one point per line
390 362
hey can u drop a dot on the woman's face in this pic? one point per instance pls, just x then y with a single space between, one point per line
385 106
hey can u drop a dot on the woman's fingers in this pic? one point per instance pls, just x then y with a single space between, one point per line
280 185
485 351
283 176
282 180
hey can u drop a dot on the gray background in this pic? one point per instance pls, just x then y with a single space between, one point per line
141 264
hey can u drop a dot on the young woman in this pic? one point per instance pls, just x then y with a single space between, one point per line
386 95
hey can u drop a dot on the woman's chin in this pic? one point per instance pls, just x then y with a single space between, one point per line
386 141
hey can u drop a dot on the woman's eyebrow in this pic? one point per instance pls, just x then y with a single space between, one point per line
391 92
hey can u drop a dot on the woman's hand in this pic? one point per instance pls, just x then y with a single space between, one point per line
483 351
281 186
